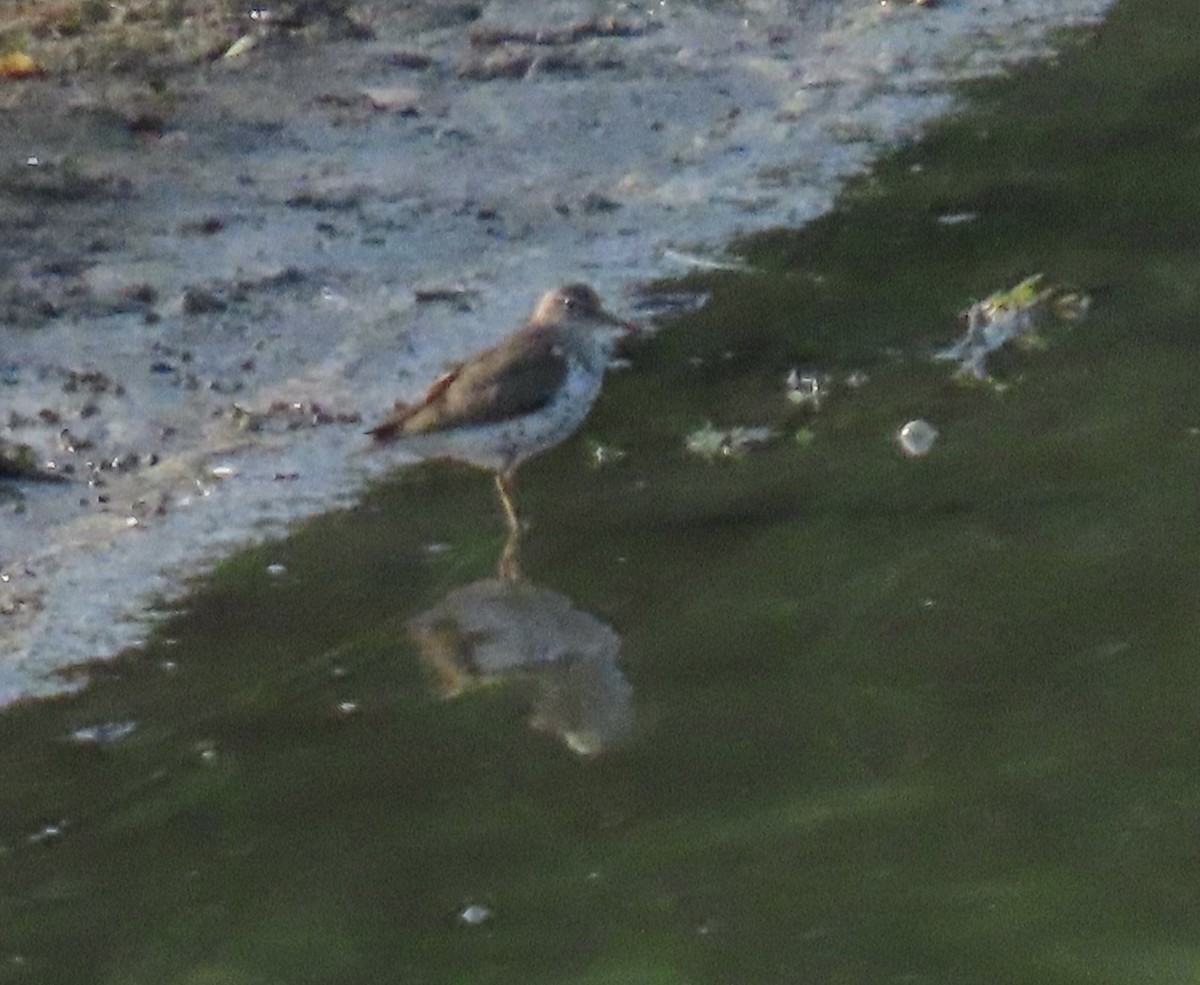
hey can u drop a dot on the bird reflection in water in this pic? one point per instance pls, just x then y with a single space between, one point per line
507 629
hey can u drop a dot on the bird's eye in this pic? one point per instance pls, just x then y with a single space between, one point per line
568 301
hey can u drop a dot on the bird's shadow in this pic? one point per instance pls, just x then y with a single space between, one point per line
506 629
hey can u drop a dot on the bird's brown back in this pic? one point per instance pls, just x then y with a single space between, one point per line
518 376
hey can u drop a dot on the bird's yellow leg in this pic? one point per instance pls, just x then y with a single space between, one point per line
506 487
509 568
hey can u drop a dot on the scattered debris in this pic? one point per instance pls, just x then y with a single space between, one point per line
523 61
91 381
402 100
602 455
21 462
455 294
282 416
600 27
416 61
208 226
18 65
105 733
653 302
330 200
241 46
809 390
1011 315
63 182
200 301
713 443
594 203
694 260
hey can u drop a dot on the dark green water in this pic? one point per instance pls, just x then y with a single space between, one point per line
894 721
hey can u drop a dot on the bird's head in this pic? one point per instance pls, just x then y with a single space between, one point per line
576 305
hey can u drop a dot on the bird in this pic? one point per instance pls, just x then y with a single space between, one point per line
524 395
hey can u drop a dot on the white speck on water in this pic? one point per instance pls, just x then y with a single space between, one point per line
917 438
48 832
475 914
275 570
103 733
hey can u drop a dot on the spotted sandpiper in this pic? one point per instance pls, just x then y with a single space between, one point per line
526 394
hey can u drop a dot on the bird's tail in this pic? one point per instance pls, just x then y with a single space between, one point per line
389 430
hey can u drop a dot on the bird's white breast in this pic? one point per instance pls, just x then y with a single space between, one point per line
505 444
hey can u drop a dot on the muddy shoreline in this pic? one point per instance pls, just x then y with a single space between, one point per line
215 268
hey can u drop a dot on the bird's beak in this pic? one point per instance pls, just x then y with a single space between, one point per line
627 326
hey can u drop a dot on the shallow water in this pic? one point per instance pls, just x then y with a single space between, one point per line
893 720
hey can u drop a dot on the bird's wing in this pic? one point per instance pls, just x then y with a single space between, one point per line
518 376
